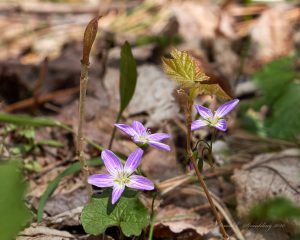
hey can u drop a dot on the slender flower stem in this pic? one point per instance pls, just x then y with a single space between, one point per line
201 141
210 158
121 235
188 116
152 217
80 139
151 231
114 131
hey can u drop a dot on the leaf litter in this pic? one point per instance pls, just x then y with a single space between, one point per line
219 42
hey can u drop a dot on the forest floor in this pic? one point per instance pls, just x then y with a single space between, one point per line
251 50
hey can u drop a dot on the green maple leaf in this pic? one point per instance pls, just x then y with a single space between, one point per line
128 213
184 69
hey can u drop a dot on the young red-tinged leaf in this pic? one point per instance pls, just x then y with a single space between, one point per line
213 89
184 69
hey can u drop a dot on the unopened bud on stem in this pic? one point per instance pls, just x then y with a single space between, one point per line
88 39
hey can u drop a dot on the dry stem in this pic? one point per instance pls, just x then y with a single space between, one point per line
80 140
88 40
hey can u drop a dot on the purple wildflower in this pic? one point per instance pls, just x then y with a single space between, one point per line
120 176
215 120
142 137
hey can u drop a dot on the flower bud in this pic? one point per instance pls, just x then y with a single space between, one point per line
88 39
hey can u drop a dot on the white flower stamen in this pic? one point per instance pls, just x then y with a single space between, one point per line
143 138
212 121
122 178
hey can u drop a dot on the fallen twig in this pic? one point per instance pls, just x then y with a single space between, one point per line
26 103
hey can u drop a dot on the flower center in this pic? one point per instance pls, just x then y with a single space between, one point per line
213 120
143 138
122 178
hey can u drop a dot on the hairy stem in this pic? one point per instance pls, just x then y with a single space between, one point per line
188 116
80 139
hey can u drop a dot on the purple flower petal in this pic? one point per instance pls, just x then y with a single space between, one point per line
101 180
133 161
191 167
111 162
126 129
198 124
226 108
117 192
138 127
158 136
160 146
140 182
221 125
204 112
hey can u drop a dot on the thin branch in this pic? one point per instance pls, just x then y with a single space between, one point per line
29 102
39 83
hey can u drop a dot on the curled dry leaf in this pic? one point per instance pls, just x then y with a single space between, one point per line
204 20
178 219
44 233
267 176
271 34
154 95
201 20
67 218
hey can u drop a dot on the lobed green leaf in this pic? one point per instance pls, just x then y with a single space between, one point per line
279 91
128 213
